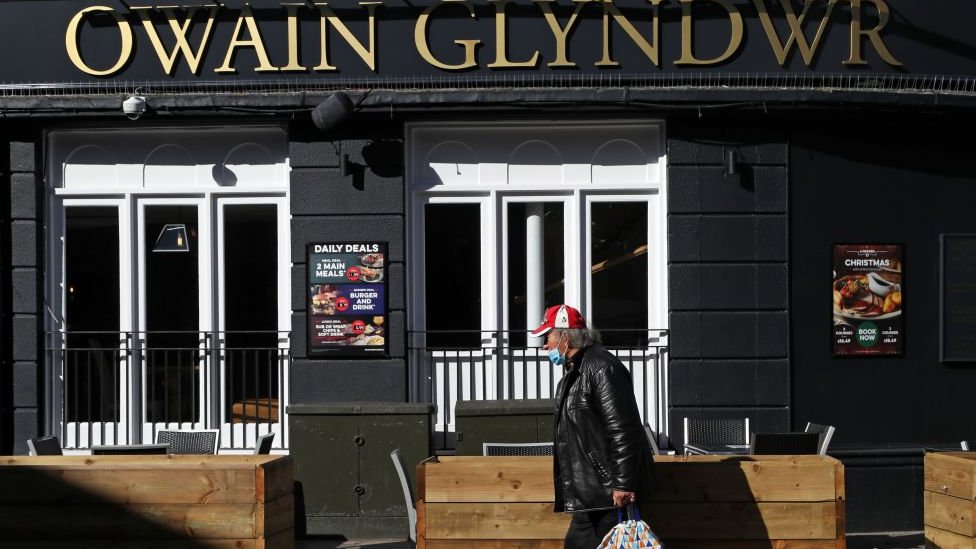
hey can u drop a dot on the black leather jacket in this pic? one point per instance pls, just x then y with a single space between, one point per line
600 443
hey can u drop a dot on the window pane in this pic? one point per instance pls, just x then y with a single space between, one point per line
91 376
452 248
172 316
552 276
619 271
250 304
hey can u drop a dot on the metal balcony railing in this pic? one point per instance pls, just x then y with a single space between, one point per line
448 366
122 387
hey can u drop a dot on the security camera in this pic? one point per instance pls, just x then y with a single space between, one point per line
134 106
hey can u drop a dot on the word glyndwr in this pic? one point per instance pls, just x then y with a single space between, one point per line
473 34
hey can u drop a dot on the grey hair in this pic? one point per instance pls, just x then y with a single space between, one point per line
580 338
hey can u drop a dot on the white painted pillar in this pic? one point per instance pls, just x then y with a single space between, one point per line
535 279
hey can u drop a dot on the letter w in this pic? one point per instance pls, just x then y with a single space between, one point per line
180 29
782 50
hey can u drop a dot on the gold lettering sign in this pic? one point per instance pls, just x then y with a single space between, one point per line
191 32
874 35
71 41
420 38
180 32
501 41
738 30
368 55
797 36
246 19
650 50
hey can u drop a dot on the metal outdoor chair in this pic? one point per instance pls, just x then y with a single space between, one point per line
44 446
408 494
190 441
652 439
825 432
517 449
263 444
784 443
716 431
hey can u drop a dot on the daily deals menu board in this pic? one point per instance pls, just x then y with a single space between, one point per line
867 289
347 299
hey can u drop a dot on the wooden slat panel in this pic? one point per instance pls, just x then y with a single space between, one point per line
498 521
761 480
25 486
706 520
141 544
421 508
936 538
949 513
496 544
840 505
951 474
229 461
282 540
475 479
274 479
275 516
753 544
148 521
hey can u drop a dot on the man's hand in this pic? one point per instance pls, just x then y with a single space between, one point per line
621 498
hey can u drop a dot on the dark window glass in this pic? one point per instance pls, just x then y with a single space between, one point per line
91 264
452 289
172 319
552 265
619 272
250 304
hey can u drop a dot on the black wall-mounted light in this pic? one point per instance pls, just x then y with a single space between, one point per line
731 163
330 113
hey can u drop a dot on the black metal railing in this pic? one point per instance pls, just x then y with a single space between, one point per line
122 387
452 365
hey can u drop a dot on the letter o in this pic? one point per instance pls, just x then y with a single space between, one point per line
71 41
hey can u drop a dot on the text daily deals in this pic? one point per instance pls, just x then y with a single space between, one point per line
347 298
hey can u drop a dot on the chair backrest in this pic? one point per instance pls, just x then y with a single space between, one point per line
44 446
716 431
517 449
130 450
784 443
825 432
406 485
263 444
189 441
652 439
967 445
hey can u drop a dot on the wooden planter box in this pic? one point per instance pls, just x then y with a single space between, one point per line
701 502
950 500
173 502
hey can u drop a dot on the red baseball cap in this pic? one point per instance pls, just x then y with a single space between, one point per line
559 316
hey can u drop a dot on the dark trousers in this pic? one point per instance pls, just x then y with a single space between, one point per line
588 528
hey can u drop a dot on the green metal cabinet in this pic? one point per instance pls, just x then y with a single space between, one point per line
480 421
347 485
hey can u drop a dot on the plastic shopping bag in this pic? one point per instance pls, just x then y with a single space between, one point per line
630 534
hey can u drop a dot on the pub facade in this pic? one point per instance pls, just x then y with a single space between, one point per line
217 210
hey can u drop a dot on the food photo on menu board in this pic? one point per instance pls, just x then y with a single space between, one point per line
347 298
868 290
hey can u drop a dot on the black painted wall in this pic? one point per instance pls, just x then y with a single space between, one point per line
729 298
904 181
367 204
22 333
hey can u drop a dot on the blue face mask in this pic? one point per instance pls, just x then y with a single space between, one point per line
557 358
